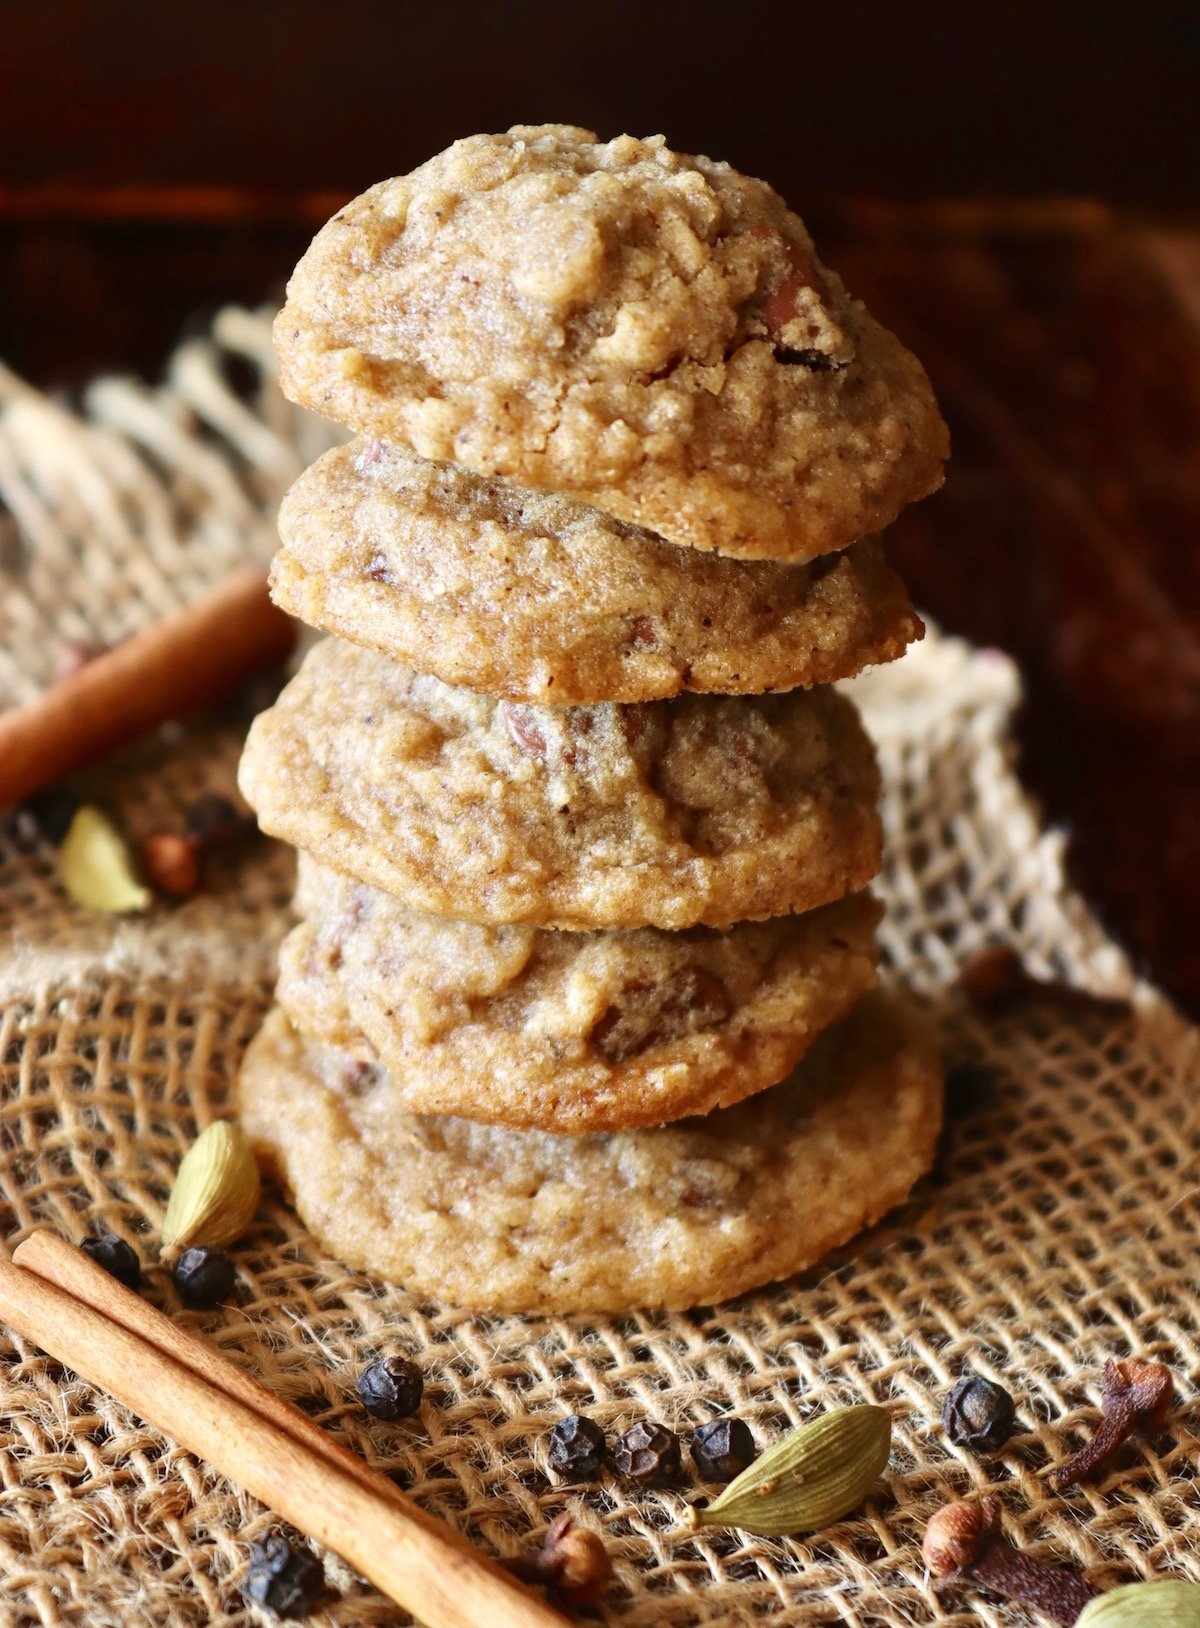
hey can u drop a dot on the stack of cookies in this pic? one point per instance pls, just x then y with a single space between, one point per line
577 1015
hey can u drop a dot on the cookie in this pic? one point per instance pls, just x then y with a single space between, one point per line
569 1032
698 810
649 332
541 598
684 1214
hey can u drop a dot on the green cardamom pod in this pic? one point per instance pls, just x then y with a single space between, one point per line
215 1194
96 866
813 1477
1170 1604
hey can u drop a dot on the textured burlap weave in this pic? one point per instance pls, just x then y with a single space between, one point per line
1059 1227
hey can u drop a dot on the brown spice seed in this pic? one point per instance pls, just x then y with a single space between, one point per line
995 981
171 863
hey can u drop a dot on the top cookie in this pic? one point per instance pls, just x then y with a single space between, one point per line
536 597
644 330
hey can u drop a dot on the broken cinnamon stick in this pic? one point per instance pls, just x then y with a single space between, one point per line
190 659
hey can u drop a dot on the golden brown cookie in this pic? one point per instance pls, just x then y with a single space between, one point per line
537 597
680 1215
568 1032
647 331
698 810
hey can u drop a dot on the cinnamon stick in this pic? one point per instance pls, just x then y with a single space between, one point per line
418 1562
62 1263
189 659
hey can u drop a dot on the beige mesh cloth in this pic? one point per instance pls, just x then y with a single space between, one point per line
1058 1228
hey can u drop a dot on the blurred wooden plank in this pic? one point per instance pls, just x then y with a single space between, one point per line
906 101
83 203
1067 359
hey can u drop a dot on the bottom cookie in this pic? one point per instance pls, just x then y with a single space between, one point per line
679 1215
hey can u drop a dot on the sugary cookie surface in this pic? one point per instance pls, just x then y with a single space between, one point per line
538 597
648 331
569 1032
681 1215
697 810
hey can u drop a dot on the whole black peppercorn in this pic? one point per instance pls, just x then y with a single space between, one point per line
283 1579
391 1388
577 1448
648 1453
978 1415
214 821
970 1086
116 1257
721 1449
52 811
204 1276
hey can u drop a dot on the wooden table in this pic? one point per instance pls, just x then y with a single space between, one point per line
1064 342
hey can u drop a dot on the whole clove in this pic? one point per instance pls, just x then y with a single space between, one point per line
572 1563
964 1540
1136 1395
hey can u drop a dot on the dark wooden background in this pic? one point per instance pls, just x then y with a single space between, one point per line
1016 190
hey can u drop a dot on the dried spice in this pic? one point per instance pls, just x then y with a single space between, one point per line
721 1449
1135 1396
51 811
978 1415
964 1540
96 866
577 1448
116 1257
204 1277
391 1388
648 1453
215 1194
171 863
813 1477
216 823
283 1578
573 1563
995 981
1169 1604
969 1086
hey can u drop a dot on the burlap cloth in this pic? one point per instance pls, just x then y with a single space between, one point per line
1058 1228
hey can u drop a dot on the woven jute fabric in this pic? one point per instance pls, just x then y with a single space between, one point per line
1058 1228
